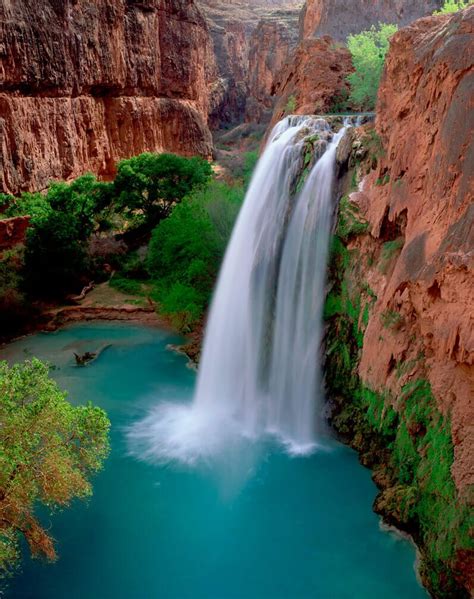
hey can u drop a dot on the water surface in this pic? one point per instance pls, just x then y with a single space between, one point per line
272 528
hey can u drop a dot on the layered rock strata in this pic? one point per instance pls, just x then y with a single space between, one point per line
85 84
339 18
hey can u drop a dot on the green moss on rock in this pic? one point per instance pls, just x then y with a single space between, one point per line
405 439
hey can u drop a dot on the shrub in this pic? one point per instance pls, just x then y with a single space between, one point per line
368 50
187 248
451 6
290 105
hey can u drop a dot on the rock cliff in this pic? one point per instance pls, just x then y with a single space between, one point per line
422 195
271 45
339 18
251 40
84 84
313 79
400 311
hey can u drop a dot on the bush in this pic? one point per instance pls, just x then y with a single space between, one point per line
56 253
368 50
187 248
451 6
290 105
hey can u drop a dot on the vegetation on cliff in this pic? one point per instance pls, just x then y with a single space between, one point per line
451 6
48 451
403 438
368 50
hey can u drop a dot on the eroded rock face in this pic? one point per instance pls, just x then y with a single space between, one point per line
339 18
85 84
13 231
421 200
270 46
313 77
240 31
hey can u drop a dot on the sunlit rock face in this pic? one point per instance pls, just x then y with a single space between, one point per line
422 195
339 18
86 83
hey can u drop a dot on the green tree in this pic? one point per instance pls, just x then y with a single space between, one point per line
149 185
451 6
48 451
186 250
63 220
368 50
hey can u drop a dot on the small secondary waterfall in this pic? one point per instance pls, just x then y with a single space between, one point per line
260 369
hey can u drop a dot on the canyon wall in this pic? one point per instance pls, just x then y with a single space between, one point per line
422 193
339 18
84 84
312 79
251 41
400 345
272 42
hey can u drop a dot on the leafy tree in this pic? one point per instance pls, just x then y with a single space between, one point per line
187 248
62 221
368 50
35 205
55 255
451 6
149 185
48 450
13 307
82 199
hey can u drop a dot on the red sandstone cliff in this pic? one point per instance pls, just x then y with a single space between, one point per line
422 194
339 18
13 231
250 39
312 79
85 83
270 47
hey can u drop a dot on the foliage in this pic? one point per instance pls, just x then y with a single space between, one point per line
62 221
405 437
187 248
250 161
339 102
368 50
48 450
290 105
35 205
451 6
13 305
349 221
55 255
148 186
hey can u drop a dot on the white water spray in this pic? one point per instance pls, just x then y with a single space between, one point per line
260 370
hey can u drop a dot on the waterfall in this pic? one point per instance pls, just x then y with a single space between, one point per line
260 370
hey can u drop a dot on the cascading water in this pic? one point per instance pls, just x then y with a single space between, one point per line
260 369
